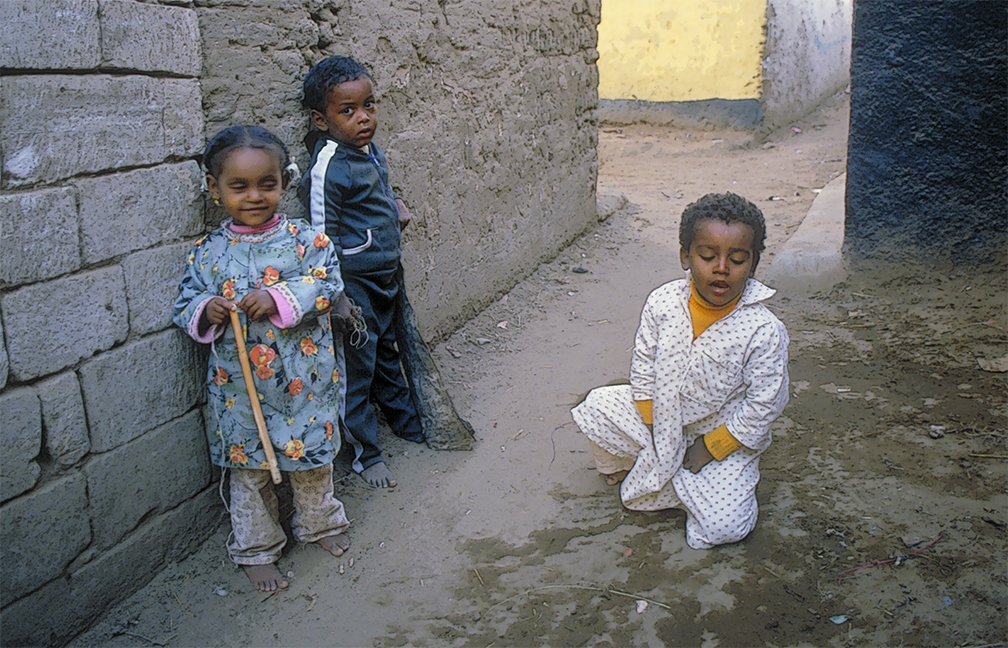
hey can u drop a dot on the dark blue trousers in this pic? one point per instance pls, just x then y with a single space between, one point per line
373 372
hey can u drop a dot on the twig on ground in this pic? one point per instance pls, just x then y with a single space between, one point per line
988 456
553 443
604 590
180 604
793 593
479 577
884 562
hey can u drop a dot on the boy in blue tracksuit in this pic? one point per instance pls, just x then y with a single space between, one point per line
347 190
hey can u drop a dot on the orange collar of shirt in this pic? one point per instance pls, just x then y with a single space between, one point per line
703 315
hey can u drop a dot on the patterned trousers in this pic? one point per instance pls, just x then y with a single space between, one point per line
720 500
256 535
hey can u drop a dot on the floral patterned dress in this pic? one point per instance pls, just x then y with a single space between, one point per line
296 364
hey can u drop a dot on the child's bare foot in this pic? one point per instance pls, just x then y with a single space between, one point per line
335 544
266 578
379 476
614 478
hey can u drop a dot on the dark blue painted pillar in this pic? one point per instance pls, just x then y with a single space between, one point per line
927 167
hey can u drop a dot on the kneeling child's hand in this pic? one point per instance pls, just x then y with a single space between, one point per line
697 456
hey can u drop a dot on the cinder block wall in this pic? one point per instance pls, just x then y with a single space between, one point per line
104 474
489 125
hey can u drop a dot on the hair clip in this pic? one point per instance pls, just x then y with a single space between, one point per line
293 172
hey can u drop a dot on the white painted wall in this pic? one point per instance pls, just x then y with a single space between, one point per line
806 56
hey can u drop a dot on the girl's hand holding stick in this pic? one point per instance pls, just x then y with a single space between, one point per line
254 398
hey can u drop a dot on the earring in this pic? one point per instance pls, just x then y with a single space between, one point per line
217 202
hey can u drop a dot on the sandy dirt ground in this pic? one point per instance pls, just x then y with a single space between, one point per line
890 458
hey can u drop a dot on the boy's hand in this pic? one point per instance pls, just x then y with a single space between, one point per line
697 456
217 310
258 304
404 214
340 315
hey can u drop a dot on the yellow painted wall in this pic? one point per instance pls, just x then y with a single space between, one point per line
680 50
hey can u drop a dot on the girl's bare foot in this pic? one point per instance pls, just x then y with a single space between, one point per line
379 476
334 544
265 578
614 478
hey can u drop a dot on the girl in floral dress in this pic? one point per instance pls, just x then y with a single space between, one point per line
284 278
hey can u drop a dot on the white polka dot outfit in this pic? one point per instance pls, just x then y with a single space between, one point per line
733 374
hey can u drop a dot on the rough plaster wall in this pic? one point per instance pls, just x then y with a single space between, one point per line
806 56
487 121
927 162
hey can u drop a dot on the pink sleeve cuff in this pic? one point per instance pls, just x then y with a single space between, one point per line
214 332
285 317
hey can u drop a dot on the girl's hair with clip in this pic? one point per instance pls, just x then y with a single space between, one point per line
326 75
238 137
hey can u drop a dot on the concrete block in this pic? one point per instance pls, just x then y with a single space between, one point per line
812 260
608 204
40 238
149 37
138 209
140 385
62 609
94 123
41 533
152 280
21 439
65 433
4 362
152 473
50 35
53 325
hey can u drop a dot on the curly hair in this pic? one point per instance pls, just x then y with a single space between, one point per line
326 75
727 208
237 137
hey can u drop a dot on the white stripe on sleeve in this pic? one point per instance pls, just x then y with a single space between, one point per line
318 174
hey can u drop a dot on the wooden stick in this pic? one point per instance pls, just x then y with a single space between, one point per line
254 399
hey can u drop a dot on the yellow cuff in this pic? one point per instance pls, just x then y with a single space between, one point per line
644 407
721 443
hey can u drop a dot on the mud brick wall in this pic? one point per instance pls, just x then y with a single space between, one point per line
489 126
927 161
